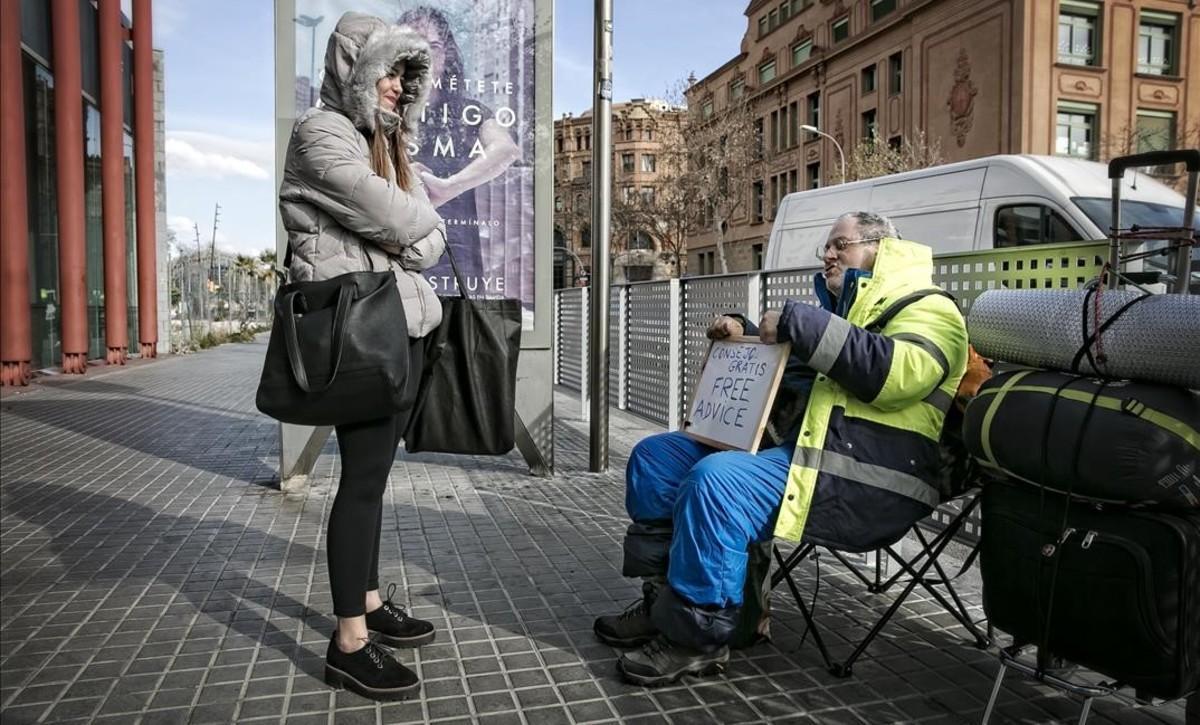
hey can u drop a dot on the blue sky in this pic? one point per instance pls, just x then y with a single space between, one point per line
219 86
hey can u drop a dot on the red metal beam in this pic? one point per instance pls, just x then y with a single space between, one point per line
112 176
16 344
69 152
143 161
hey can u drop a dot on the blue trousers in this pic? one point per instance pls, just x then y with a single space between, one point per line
719 503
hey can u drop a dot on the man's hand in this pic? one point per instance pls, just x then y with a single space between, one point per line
768 327
724 327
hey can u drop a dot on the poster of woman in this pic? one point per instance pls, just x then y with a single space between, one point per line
475 151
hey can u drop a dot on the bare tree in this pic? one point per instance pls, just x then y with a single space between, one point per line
709 165
875 157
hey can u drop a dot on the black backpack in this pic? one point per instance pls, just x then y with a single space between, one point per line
959 470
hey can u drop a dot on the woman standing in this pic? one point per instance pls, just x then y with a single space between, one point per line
351 202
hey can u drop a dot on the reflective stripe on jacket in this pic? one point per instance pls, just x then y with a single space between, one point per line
875 413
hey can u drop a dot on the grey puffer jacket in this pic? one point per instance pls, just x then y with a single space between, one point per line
341 216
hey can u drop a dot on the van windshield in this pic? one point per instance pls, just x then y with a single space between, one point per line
1141 213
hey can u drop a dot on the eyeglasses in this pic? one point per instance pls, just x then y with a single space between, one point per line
839 245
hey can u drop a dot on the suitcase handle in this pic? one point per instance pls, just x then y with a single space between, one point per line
1191 157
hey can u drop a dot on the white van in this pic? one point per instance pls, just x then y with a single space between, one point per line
995 201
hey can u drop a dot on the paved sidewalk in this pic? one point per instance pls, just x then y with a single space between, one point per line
151 573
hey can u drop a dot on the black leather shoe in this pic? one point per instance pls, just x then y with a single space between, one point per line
393 627
631 628
661 662
370 672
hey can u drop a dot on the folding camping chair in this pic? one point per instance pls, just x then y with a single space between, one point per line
918 570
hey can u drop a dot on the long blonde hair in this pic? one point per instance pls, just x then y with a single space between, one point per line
393 165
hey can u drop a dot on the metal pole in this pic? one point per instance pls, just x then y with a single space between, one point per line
602 200
1183 256
1114 246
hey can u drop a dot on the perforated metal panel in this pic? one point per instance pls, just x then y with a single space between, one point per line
572 340
616 346
967 275
789 284
704 298
648 358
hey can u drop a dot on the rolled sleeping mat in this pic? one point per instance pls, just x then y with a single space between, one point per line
1155 338
1117 441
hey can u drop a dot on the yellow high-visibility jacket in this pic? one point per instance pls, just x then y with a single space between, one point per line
867 454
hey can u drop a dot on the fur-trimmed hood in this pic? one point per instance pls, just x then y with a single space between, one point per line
363 49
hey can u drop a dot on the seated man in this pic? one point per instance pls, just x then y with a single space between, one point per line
854 463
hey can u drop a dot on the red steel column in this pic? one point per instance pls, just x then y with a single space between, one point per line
16 342
72 234
143 164
112 177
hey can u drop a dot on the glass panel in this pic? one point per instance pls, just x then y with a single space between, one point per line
43 215
1017 226
766 72
93 223
880 8
841 30
131 245
801 52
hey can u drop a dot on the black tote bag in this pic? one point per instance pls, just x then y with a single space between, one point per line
338 351
466 403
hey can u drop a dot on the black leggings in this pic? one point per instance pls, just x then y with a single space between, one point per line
367 450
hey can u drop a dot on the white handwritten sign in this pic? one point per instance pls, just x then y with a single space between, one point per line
733 397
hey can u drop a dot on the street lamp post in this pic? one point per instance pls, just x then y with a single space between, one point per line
836 145
311 23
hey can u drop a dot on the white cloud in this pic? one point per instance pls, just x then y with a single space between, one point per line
211 155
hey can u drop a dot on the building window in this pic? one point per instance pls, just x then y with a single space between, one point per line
774 132
841 30
640 240
793 179
801 52
558 203
585 236
648 195
758 139
1156 132
628 194
868 79
894 143
1156 43
736 90
794 124
757 199
558 144
785 11
880 8
766 72
896 73
649 163
757 253
639 273
627 163
762 26
774 197
814 112
706 110
1076 130
814 176
1078 36
869 128
772 20
586 167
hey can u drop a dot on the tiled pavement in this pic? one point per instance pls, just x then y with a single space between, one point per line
152 574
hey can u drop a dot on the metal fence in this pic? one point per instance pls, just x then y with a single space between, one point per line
657 329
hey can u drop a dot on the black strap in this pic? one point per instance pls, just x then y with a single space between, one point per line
1089 339
896 307
295 358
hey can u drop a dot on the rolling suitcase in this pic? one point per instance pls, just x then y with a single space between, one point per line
1114 589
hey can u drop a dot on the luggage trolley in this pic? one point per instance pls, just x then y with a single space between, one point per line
1181 242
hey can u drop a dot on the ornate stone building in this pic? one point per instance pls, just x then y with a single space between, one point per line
640 128
1088 78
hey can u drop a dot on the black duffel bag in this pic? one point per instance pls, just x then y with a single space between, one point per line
1116 441
338 351
468 392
